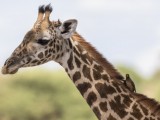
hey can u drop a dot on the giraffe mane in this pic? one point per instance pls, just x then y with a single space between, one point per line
97 56
149 103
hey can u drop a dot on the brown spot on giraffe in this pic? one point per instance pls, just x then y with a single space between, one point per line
104 90
97 112
91 98
40 55
103 106
70 62
96 75
136 112
34 61
83 87
86 72
51 44
49 55
77 61
117 87
145 111
76 76
118 107
127 100
46 52
85 58
76 52
70 44
101 88
98 68
105 77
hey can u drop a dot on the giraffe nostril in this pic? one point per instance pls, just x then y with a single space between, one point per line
10 62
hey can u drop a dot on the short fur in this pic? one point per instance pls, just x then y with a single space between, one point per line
98 57
152 104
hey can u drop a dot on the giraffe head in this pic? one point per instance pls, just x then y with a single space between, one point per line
43 43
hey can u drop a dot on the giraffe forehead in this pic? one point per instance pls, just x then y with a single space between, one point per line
43 25
46 34
34 34
29 36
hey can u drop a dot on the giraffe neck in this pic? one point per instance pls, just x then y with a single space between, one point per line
91 79
113 73
107 97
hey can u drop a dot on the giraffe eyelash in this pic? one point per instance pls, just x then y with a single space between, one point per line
42 41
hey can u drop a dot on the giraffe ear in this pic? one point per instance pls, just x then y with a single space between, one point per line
68 28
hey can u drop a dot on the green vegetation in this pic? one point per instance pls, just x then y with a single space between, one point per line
51 95
41 95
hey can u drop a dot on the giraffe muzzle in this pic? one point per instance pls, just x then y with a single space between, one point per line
7 71
11 66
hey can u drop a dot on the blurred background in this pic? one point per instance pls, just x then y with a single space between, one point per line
126 32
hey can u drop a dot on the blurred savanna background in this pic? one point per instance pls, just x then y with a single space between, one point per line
127 33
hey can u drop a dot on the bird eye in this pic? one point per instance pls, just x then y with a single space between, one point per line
42 41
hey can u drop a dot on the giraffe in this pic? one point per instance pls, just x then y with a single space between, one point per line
98 81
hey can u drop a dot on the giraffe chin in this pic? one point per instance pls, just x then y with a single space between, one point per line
7 71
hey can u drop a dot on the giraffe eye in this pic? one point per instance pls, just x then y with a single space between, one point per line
42 41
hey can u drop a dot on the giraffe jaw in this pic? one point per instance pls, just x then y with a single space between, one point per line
5 70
